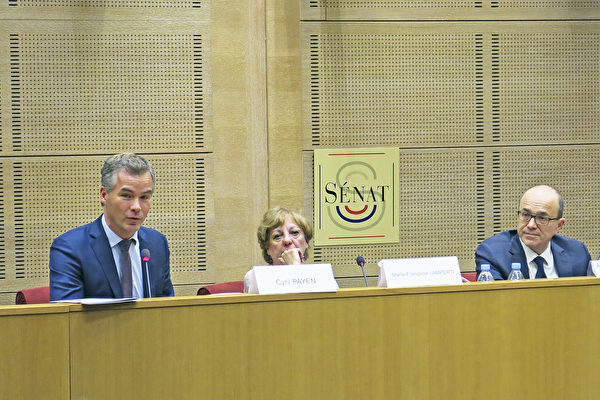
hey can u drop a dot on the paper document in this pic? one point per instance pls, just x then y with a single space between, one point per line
93 301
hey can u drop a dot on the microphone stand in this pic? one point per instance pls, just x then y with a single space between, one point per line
362 267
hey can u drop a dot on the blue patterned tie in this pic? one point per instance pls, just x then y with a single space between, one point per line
125 261
540 268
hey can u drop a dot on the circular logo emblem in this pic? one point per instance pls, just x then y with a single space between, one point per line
360 201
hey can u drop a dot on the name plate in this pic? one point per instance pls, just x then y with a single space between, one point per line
303 278
427 271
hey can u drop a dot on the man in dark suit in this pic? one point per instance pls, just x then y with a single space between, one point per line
535 243
103 259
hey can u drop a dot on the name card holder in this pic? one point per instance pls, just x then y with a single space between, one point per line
426 271
302 278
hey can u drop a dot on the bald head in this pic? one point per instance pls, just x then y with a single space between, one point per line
546 194
540 217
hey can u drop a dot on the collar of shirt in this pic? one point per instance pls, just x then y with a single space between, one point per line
113 238
546 255
134 254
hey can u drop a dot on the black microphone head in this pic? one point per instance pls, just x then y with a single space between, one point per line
360 260
145 254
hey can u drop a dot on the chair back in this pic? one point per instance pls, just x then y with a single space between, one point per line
225 287
469 276
38 295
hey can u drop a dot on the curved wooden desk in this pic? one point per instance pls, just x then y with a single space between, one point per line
34 351
503 340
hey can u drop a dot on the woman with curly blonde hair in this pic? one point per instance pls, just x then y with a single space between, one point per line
284 236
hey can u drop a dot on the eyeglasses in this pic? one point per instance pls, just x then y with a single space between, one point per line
539 219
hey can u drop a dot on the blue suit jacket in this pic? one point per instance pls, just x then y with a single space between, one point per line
571 257
82 264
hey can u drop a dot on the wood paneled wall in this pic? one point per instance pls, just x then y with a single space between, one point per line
180 82
229 98
483 98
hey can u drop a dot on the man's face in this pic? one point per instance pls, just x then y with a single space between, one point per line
542 201
127 205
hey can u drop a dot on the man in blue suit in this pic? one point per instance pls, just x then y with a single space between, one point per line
535 243
103 259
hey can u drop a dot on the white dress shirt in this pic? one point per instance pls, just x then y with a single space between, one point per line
134 256
548 261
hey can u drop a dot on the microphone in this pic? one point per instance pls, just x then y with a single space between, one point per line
145 259
360 260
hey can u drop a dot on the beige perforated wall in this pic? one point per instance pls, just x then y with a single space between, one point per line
3 216
481 110
107 10
452 199
546 83
75 90
451 84
447 9
52 195
374 84
443 211
571 169
82 80
230 98
89 88
107 4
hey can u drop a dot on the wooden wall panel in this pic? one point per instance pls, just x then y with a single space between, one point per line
451 84
98 87
75 90
51 195
415 84
452 199
570 169
82 80
126 10
522 77
545 80
442 209
284 87
3 215
385 10
240 179
484 109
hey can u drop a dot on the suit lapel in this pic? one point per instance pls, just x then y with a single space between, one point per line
562 264
104 255
518 255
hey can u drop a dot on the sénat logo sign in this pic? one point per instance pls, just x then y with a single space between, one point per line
356 196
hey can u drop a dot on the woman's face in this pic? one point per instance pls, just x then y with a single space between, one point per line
285 238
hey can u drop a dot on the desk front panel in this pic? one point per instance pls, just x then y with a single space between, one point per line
34 352
527 340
